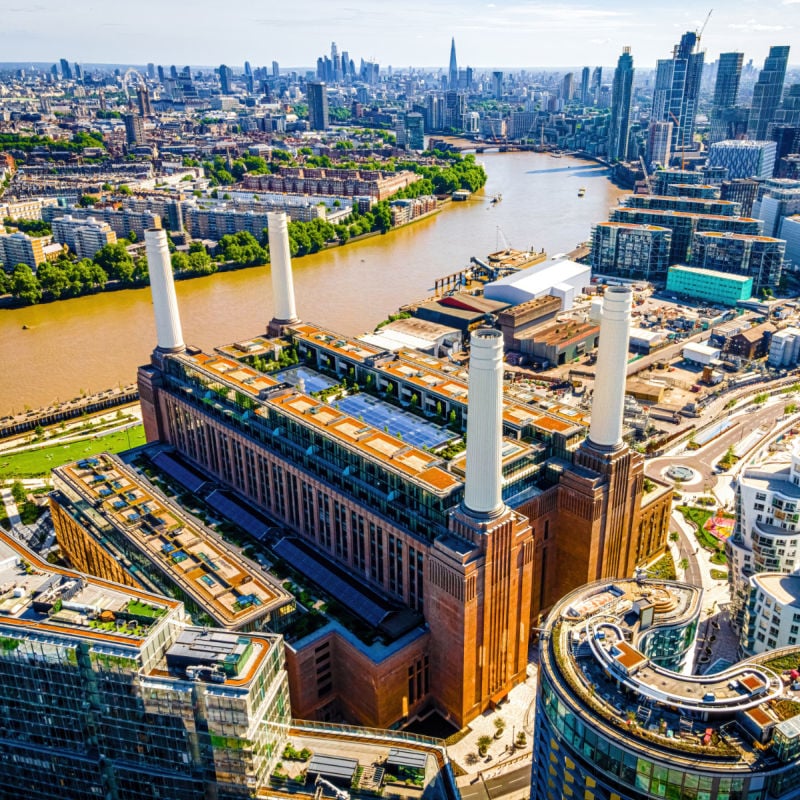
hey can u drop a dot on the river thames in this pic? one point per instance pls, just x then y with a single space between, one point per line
96 342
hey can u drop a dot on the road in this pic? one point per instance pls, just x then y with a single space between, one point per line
515 784
704 459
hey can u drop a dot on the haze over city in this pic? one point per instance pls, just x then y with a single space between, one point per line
416 33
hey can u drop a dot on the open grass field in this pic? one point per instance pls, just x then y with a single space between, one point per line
35 463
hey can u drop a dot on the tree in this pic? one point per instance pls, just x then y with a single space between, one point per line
24 285
87 200
180 262
132 237
242 249
499 726
684 564
123 188
116 262
18 492
53 280
201 264
383 217
483 744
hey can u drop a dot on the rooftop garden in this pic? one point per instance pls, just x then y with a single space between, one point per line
586 691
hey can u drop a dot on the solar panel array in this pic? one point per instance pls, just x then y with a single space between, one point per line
411 428
176 470
331 583
234 512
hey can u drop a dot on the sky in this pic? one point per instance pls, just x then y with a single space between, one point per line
498 33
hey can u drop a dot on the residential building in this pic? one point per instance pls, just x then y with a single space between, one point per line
619 127
121 221
784 349
708 285
677 88
773 612
684 225
317 95
19 248
110 693
336 182
84 237
26 209
689 205
790 233
662 179
659 143
759 257
744 158
742 191
618 713
630 251
776 199
726 92
767 93
765 537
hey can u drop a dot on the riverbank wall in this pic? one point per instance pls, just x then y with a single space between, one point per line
62 412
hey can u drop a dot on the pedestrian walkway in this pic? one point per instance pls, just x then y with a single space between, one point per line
12 512
517 715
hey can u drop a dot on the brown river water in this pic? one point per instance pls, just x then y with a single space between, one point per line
96 342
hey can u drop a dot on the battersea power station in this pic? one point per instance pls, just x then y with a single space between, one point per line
355 455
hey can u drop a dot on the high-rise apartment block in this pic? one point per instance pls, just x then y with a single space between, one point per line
19 248
684 225
764 544
317 105
619 127
659 144
84 237
767 93
758 257
634 252
776 199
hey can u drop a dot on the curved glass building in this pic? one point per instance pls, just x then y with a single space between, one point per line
617 719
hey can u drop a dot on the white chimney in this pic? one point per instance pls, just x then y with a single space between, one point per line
162 286
483 488
281 268
611 370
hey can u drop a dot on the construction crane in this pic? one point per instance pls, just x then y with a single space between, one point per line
701 31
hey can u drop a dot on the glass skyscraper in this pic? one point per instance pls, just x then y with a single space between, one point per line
677 89
621 107
726 90
767 92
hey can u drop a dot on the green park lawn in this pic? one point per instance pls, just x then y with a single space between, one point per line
698 517
35 463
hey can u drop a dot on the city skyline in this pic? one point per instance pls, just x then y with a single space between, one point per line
487 34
